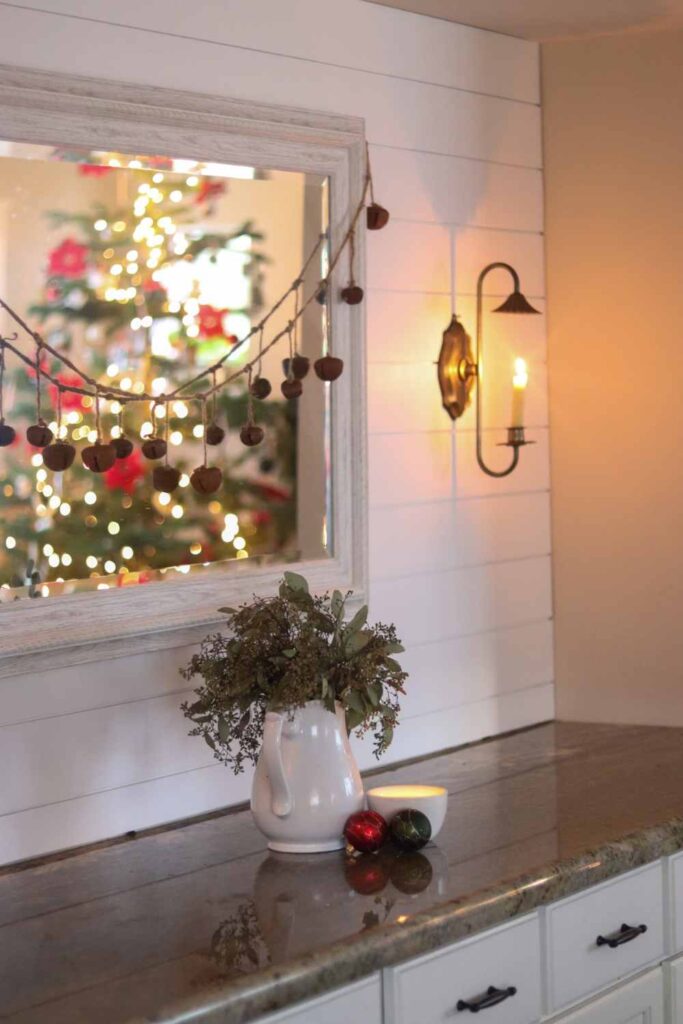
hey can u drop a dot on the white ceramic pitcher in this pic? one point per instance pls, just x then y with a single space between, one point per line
306 782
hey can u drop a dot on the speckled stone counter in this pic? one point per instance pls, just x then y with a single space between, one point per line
202 923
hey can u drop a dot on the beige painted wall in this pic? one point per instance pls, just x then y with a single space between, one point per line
613 139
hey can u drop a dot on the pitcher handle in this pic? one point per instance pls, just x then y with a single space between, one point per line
280 795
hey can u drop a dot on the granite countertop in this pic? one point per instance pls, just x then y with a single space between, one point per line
202 923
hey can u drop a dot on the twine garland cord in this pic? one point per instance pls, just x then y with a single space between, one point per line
213 397
369 173
260 356
166 418
39 416
203 399
180 391
290 368
296 320
352 255
2 379
59 412
250 401
98 424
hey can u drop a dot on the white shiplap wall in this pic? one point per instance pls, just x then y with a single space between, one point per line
461 562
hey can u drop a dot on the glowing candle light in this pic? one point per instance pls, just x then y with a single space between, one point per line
519 383
430 800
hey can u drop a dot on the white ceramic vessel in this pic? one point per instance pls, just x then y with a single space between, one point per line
431 800
306 782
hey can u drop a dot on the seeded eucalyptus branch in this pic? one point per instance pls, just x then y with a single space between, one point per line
283 651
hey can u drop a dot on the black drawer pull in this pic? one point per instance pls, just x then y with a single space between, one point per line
627 933
491 997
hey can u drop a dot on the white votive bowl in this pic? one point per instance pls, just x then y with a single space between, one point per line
431 800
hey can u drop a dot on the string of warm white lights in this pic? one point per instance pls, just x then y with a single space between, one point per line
99 456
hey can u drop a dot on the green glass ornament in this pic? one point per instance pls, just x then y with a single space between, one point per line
410 830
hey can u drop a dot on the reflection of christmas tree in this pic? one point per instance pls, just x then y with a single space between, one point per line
134 293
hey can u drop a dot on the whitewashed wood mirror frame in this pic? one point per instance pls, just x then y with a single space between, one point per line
49 109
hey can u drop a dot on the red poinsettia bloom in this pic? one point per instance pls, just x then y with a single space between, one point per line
44 368
70 399
211 322
93 170
261 517
208 190
125 473
68 259
273 493
150 285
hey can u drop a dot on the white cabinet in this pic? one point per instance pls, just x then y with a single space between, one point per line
360 1002
600 936
676 901
638 1002
498 972
598 957
674 971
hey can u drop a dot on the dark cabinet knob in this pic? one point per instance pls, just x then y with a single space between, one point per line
627 933
491 997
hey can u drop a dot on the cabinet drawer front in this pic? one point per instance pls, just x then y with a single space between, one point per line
637 1002
361 1001
674 970
677 900
428 990
580 961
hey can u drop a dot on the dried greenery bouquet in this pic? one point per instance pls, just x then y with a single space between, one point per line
283 651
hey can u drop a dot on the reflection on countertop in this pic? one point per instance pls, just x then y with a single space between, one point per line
203 918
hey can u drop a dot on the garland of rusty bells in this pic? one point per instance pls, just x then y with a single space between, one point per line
59 455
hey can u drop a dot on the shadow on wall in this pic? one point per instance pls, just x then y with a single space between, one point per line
629 16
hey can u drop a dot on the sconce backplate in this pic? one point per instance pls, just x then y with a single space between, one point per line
456 370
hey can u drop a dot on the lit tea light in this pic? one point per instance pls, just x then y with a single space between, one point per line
431 800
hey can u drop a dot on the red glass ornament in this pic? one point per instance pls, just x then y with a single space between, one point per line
366 874
366 831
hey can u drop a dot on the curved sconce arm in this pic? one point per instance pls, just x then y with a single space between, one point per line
459 368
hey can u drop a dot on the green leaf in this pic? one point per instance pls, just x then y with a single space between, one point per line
353 720
227 611
357 641
296 582
242 724
321 622
393 665
374 692
337 604
359 620
223 731
354 701
290 652
388 736
197 708
393 648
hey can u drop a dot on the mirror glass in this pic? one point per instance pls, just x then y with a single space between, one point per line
143 271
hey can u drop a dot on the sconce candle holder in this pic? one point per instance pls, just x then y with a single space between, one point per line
459 368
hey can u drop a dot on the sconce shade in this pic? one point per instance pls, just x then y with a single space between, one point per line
455 369
516 303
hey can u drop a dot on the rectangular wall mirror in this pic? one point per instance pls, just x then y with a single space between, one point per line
144 265
145 270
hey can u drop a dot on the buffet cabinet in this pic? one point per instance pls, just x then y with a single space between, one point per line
612 954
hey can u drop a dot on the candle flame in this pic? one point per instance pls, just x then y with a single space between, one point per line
406 792
521 374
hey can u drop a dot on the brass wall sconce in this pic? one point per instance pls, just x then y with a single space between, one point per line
459 368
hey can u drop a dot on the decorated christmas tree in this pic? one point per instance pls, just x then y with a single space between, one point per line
136 292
